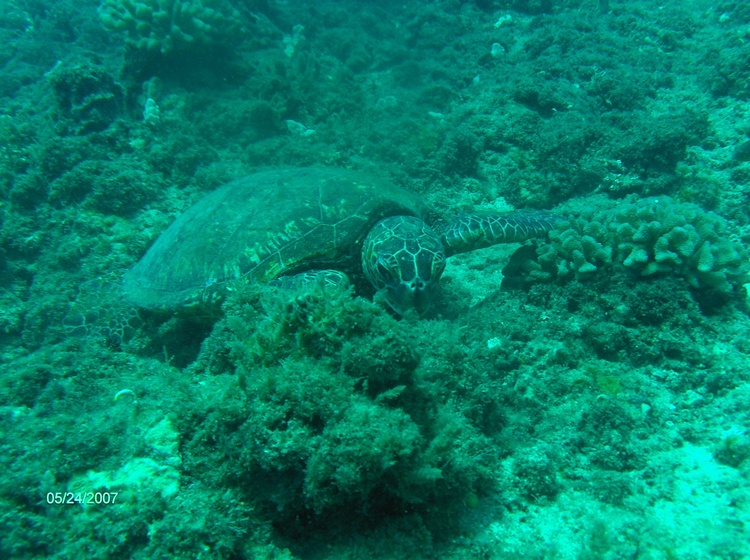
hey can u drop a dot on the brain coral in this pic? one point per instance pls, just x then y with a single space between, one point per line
647 237
167 25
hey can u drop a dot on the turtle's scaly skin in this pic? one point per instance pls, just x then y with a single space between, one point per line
281 221
403 256
476 231
288 221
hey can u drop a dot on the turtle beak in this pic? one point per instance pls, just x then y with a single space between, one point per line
416 294
415 285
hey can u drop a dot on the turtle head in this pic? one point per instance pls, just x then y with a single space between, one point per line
404 258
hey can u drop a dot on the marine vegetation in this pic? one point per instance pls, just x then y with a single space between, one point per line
335 424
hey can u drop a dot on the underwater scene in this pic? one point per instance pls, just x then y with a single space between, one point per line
343 280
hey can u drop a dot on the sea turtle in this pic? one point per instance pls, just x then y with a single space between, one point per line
291 221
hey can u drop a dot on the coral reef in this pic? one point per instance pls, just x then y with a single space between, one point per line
602 418
336 420
88 97
652 236
167 25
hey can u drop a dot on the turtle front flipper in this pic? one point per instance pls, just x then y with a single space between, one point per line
326 283
468 232
327 278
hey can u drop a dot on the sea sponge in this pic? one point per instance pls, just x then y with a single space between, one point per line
169 25
647 237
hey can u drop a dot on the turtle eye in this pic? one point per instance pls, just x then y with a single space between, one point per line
388 268
383 268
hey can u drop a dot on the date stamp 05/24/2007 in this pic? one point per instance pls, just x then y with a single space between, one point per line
81 498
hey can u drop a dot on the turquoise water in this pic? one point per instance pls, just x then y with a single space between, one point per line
583 394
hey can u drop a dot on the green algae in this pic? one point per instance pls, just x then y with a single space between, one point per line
602 417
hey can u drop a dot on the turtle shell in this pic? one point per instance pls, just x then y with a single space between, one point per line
262 226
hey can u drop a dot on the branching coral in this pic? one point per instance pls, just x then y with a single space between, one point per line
167 25
648 237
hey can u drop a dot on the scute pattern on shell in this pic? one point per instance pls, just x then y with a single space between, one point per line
275 222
